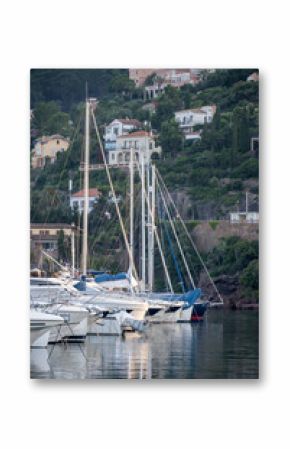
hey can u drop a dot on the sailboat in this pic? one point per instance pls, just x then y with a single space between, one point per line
127 311
159 308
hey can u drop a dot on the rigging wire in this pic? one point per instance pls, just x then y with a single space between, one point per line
115 198
188 235
156 235
176 236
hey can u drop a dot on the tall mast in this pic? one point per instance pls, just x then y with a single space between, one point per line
131 214
151 224
73 252
86 189
247 201
143 235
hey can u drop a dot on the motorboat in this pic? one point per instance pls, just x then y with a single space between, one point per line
75 326
41 325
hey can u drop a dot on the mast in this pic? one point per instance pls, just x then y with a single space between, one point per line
247 201
131 214
86 189
151 224
73 252
143 235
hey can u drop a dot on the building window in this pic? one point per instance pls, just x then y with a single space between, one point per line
57 142
91 203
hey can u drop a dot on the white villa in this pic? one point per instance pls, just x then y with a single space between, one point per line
118 127
143 144
188 118
77 199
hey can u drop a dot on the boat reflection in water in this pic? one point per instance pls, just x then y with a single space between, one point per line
39 365
224 346
127 357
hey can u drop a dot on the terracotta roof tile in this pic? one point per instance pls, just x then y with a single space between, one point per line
92 193
135 134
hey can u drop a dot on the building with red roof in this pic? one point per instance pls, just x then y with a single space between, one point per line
77 199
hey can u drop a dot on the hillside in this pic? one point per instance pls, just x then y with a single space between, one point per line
208 177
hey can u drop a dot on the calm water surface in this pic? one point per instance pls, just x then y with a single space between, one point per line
224 346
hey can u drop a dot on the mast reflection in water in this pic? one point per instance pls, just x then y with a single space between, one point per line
224 346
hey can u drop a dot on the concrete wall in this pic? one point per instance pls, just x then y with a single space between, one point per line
207 234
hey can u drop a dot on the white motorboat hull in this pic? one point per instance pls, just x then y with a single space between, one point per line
41 325
109 325
39 338
75 327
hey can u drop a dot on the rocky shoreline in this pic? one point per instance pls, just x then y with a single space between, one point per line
230 290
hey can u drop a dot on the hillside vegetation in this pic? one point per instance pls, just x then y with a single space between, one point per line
210 176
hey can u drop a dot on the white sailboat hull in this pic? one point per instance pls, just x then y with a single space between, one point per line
185 315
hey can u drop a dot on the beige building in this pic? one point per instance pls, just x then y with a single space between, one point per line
173 77
48 147
143 144
139 75
45 237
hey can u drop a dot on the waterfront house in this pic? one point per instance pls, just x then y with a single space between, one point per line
143 144
118 127
47 147
77 199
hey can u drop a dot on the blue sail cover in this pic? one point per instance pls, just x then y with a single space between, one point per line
110 277
192 296
81 285
189 298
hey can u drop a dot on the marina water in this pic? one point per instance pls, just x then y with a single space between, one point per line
224 346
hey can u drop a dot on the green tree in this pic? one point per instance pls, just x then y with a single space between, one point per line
241 137
42 114
250 275
170 137
58 124
169 102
